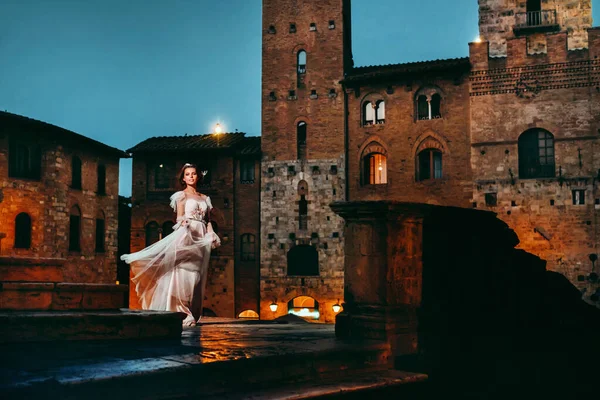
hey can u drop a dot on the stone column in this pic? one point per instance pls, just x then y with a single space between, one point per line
383 272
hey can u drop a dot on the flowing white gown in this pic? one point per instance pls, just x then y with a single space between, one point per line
170 275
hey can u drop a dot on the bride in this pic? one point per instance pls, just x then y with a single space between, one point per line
170 275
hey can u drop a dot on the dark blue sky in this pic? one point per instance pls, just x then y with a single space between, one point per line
122 71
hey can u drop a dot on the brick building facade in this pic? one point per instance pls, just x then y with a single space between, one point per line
462 132
305 53
233 181
59 198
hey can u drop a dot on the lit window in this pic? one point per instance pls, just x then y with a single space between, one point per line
375 169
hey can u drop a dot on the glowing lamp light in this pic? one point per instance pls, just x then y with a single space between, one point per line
160 166
478 39
273 306
218 128
336 307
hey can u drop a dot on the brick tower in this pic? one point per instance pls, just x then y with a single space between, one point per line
306 49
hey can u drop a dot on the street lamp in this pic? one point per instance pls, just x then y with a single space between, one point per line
273 306
336 307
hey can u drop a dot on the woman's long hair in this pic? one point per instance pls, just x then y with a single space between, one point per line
182 172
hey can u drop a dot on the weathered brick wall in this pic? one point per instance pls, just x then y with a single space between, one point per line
48 202
280 218
401 136
497 19
556 92
247 220
324 69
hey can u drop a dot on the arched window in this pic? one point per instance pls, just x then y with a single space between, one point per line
429 164
167 228
75 172
303 260
375 165
368 113
301 68
100 232
75 229
301 140
101 179
428 103
303 213
302 62
152 234
23 231
536 154
248 247
380 112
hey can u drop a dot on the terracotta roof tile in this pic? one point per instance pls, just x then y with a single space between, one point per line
373 72
232 140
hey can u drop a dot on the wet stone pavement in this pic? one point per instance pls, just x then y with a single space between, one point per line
219 353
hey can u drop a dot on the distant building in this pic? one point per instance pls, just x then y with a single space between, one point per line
59 198
233 184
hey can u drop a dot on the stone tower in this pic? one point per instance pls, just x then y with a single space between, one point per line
500 20
306 49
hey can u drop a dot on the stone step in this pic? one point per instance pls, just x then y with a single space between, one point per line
26 269
190 375
61 296
46 326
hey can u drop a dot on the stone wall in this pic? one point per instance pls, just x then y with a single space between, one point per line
497 19
403 135
48 202
280 232
556 92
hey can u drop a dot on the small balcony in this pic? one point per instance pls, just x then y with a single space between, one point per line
535 22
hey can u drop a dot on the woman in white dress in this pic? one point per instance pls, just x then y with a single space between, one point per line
170 275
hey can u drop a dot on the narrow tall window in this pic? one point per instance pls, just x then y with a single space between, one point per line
303 213
434 105
301 68
423 107
152 233
23 231
101 179
24 160
536 154
100 233
380 112
75 172
75 229
375 169
248 247
247 171
429 164
301 140
368 113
